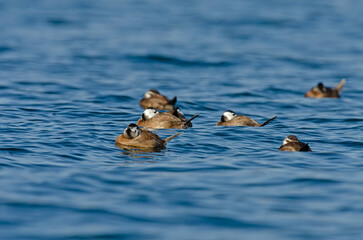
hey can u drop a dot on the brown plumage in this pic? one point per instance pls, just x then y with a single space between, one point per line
230 118
140 138
154 99
292 144
151 118
321 91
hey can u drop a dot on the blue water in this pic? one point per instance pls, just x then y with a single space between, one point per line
72 74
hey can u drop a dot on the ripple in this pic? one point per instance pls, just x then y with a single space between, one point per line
177 61
15 150
196 169
58 21
304 62
314 181
113 98
229 222
125 236
5 49
72 157
91 57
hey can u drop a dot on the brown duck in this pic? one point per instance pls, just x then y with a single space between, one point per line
292 144
230 118
154 99
152 118
321 91
135 137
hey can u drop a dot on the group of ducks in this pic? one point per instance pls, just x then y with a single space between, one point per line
153 101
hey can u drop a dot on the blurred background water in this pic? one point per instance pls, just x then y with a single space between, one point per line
72 73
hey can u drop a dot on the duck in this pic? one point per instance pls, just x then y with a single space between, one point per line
152 118
292 144
135 137
230 118
152 98
321 91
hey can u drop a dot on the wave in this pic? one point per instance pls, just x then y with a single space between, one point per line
178 61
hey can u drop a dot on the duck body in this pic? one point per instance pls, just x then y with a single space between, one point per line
230 118
292 144
136 137
151 118
321 91
146 139
239 120
154 99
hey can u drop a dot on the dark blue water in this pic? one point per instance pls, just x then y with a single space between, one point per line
71 76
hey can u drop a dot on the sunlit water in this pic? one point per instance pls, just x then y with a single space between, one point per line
72 74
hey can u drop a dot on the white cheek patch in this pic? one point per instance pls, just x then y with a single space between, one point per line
131 132
148 94
179 111
229 116
135 131
289 140
149 113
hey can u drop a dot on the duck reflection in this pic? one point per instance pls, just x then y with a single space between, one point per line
142 153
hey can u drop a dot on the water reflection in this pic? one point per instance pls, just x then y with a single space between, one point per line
140 153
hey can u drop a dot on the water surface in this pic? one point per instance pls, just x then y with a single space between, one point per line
72 74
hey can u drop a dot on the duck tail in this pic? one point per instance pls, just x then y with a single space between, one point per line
189 120
268 121
305 148
173 101
340 85
171 137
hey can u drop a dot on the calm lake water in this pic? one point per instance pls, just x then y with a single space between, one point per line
71 77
